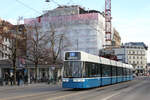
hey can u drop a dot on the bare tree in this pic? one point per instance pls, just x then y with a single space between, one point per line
44 45
36 46
57 43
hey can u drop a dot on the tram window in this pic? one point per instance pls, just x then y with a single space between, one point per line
128 71
99 70
72 69
131 72
124 72
119 70
106 70
92 70
114 71
87 70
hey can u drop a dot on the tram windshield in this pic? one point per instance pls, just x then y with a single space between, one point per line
72 69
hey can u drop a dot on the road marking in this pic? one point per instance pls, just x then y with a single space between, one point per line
72 94
108 97
127 89
82 92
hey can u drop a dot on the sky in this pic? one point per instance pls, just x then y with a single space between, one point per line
130 17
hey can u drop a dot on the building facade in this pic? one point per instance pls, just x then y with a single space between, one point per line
5 40
133 53
11 38
116 40
83 29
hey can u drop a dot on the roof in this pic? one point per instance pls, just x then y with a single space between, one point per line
148 64
137 44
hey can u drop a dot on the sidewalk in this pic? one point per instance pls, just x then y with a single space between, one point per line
33 85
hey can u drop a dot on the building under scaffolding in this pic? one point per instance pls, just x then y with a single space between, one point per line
85 29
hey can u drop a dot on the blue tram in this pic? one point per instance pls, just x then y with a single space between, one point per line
83 70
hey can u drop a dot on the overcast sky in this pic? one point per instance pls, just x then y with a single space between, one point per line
130 17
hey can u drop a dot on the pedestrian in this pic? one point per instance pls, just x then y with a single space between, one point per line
21 78
26 79
6 78
59 78
18 79
11 78
31 79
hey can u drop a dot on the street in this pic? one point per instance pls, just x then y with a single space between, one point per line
137 89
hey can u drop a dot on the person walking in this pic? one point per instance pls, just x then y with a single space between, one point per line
6 78
19 78
26 79
11 78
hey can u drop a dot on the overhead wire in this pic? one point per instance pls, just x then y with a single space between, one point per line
27 6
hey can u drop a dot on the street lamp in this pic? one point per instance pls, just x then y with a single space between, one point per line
47 1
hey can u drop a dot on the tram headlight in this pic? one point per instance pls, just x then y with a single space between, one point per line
65 80
78 80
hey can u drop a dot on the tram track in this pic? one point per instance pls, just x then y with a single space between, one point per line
92 93
67 93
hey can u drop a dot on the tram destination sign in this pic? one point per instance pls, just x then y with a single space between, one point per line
72 56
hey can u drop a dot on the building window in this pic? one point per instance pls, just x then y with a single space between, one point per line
133 57
5 48
141 62
129 62
128 57
9 40
137 57
6 56
143 53
2 55
6 39
129 52
133 62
